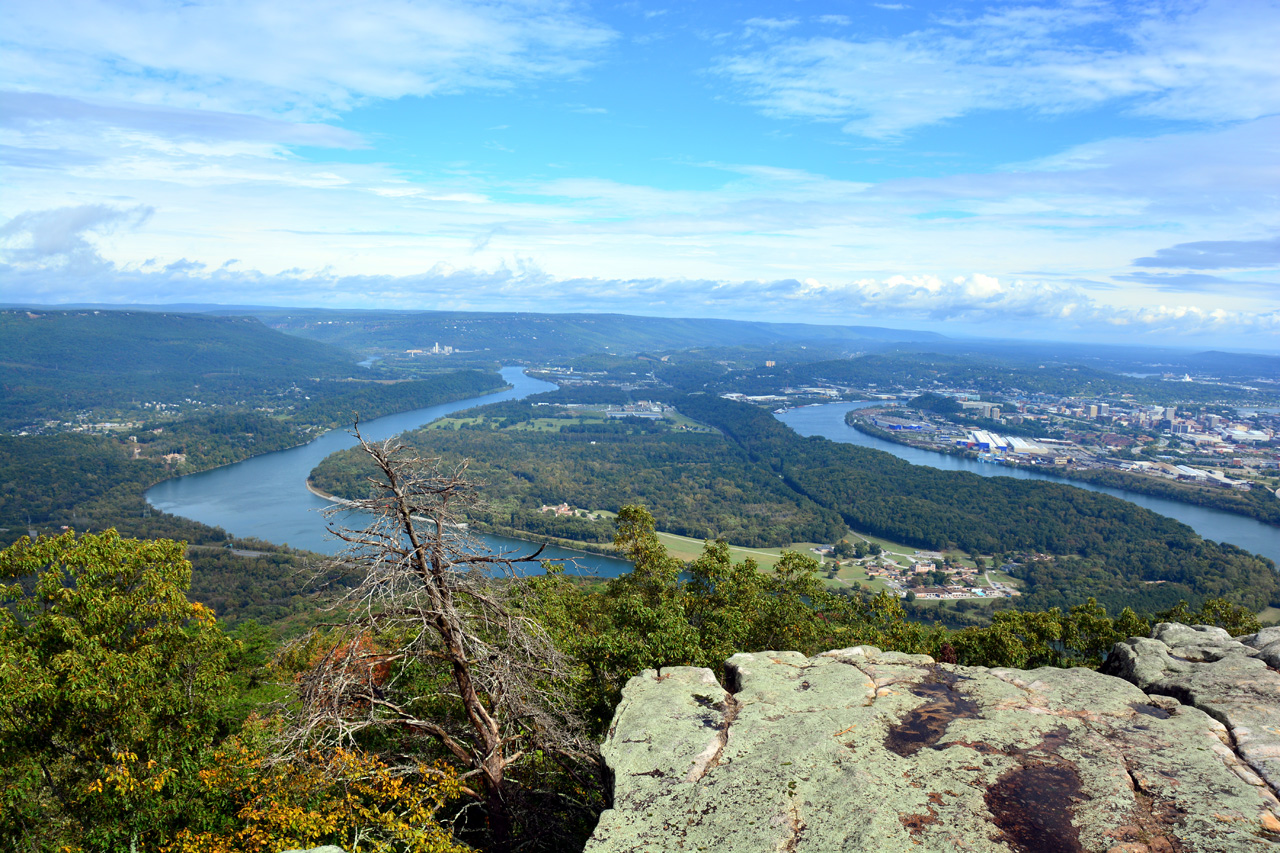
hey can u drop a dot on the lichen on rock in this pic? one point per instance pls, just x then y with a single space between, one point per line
1235 681
859 749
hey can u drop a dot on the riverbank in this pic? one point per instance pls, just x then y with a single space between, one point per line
497 530
266 497
1237 503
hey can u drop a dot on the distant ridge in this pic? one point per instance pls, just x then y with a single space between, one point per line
57 360
520 334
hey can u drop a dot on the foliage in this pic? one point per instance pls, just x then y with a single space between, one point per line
97 482
668 614
54 363
92 483
653 617
1257 503
904 366
514 336
334 403
935 403
1220 613
342 797
767 486
110 692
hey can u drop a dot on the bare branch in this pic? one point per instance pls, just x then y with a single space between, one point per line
435 628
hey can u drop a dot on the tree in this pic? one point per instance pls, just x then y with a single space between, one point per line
1214 611
110 692
336 797
435 650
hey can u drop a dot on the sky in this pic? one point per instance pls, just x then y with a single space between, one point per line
1046 170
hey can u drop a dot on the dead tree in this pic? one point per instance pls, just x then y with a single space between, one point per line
435 641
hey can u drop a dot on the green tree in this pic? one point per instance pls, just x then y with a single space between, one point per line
1218 612
640 621
111 685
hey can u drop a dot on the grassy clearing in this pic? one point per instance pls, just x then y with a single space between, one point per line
678 421
453 423
1001 577
688 548
550 424
854 573
895 550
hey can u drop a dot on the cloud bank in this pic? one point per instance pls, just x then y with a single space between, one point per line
51 260
303 59
1216 255
1205 61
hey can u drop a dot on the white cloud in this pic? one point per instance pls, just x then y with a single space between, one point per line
1210 61
61 238
294 58
39 113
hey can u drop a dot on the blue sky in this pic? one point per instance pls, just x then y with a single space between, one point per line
1082 170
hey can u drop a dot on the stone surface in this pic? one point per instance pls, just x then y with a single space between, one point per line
862 750
1232 680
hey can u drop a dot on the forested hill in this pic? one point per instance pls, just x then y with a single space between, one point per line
52 362
554 336
696 484
1122 554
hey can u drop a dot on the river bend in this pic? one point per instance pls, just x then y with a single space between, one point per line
827 420
266 497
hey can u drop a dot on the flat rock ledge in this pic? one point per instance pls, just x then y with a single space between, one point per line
864 750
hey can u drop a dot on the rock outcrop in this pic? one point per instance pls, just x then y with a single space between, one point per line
1235 681
863 750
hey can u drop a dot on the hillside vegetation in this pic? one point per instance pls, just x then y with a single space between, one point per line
521 336
1118 552
754 482
696 483
53 363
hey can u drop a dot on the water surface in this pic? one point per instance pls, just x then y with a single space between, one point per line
266 496
827 420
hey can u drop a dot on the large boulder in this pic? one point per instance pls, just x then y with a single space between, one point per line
863 750
1233 680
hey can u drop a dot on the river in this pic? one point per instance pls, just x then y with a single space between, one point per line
266 496
827 420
